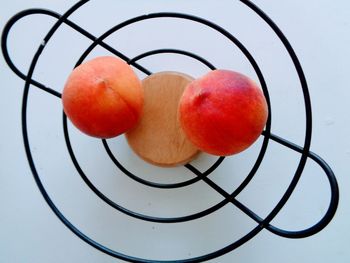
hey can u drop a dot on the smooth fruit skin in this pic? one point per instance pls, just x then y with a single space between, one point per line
103 97
223 112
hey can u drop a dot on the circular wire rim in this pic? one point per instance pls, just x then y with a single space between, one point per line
138 179
147 182
305 151
200 175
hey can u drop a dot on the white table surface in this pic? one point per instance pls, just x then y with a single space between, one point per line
30 232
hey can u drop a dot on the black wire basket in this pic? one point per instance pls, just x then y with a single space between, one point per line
261 223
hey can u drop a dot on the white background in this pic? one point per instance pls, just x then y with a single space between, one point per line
29 231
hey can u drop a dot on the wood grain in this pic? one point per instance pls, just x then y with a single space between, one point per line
158 138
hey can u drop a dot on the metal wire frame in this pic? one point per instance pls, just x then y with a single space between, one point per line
228 198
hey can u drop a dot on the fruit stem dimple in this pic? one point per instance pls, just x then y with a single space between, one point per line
200 96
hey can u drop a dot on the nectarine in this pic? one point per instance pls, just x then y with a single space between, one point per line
103 97
223 112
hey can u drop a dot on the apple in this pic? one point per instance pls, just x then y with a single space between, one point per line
223 112
103 97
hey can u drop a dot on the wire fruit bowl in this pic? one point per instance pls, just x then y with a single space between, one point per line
229 197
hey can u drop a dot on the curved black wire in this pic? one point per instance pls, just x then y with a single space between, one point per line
123 209
333 204
35 11
36 176
227 35
307 102
6 54
139 179
172 51
190 167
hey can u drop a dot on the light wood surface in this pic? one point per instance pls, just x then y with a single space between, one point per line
158 138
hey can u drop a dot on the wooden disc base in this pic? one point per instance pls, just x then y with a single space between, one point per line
158 138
